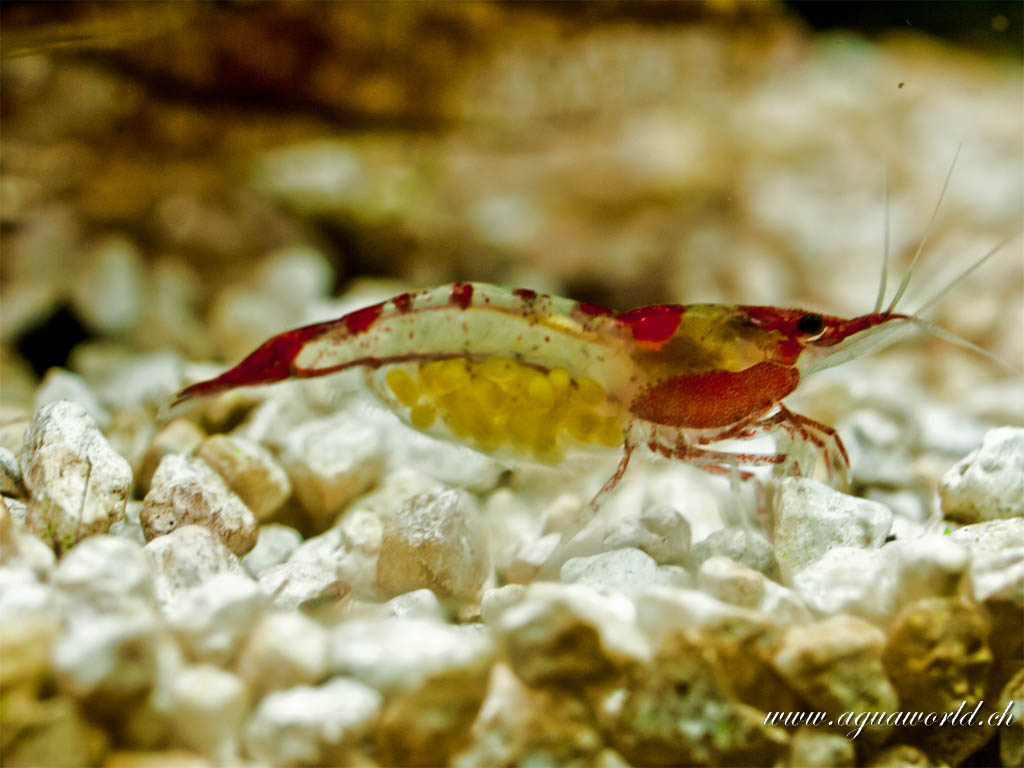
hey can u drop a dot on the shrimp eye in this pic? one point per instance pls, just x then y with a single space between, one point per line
812 324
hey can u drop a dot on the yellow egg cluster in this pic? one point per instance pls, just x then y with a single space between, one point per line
499 402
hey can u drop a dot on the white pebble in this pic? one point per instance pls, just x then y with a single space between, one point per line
207 709
186 491
108 655
284 650
213 618
275 545
311 726
107 574
331 461
179 436
660 531
186 558
497 600
535 630
988 483
108 291
662 611
77 484
403 653
745 587
846 580
436 542
23 594
348 551
11 483
60 384
811 518
418 604
621 568
297 583
999 577
18 547
744 547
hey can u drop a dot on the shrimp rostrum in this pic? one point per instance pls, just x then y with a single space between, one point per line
514 373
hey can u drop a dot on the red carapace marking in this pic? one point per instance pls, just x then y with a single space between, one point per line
715 398
270 362
525 294
402 302
591 309
462 294
362 319
653 324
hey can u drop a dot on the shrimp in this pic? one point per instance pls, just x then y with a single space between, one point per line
524 375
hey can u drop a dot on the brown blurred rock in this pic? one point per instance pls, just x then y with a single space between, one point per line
517 722
677 711
836 666
938 658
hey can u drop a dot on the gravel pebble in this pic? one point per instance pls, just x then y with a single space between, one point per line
11 483
312 726
569 634
811 518
212 619
250 471
110 657
436 542
186 558
811 746
284 649
179 436
274 545
60 384
378 652
208 706
77 484
836 666
331 461
296 584
349 551
19 548
744 547
107 574
621 568
988 483
418 604
186 491
733 583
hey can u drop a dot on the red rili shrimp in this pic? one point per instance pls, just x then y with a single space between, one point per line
514 373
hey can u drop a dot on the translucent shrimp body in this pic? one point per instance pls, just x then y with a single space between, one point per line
518 374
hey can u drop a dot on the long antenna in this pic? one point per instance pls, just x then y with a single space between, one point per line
927 234
924 307
885 247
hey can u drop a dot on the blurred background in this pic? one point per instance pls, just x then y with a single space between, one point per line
182 180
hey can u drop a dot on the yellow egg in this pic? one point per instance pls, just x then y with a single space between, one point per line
422 416
582 424
402 384
589 391
539 389
499 368
560 380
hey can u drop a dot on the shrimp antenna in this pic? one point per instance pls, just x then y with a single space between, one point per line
952 338
885 247
924 240
931 302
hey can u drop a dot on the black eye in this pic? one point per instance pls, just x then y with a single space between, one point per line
812 324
